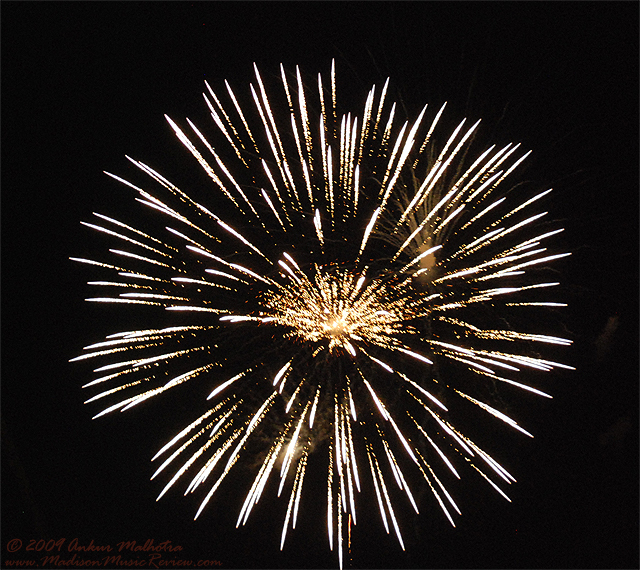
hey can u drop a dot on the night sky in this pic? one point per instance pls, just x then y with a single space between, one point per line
83 84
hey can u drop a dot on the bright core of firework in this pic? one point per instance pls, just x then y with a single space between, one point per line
346 291
336 309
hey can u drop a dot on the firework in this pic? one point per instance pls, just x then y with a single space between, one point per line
335 269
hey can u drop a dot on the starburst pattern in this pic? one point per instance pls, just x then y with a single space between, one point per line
335 268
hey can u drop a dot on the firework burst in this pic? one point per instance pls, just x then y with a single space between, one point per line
335 267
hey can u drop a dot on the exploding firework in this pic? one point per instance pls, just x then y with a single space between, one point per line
335 270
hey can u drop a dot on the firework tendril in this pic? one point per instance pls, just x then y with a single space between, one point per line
336 272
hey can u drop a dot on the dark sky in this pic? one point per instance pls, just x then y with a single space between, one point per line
83 84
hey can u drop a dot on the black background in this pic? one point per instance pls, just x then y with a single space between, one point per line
85 83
